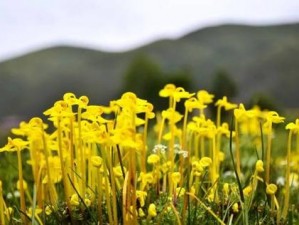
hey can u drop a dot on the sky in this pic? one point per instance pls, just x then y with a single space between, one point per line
120 25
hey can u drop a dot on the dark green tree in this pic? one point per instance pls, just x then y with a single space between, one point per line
143 77
223 85
180 78
264 101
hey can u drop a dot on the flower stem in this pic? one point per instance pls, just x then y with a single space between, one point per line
287 178
22 193
268 155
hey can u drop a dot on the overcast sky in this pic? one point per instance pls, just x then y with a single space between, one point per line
118 25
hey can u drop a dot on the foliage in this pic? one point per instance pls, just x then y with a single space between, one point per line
145 78
101 165
223 85
263 101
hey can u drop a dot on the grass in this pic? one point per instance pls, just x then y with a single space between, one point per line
91 164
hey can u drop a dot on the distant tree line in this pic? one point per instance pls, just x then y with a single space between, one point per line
145 77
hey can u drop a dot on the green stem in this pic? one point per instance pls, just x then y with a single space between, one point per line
268 155
233 161
287 178
22 193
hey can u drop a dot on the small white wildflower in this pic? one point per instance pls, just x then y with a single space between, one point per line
177 147
15 194
183 153
280 181
159 148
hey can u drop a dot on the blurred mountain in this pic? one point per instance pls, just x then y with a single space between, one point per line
261 59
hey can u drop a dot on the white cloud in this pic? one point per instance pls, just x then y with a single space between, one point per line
118 24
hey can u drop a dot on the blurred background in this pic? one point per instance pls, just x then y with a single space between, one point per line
246 50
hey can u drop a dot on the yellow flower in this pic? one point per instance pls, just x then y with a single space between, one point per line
36 211
60 108
96 161
293 126
172 115
25 186
259 166
247 190
165 167
140 212
225 189
48 210
224 129
87 202
83 101
271 189
241 113
9 211
74 200
152 210
145 178
273 117
70 98
141 195
176 177
205 161
15 144
180 191
235 207
153 159
167 91
193 103
225 104
204 97
211 196
118 171
181 93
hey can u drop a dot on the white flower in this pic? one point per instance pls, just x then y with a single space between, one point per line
159 148
183 153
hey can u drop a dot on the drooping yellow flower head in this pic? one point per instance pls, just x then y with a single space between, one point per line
181 93
153 159
141 195
204 97
172 115
167 91
259 166
96 161
25 185
48 210
15 144
273 117
152 212
225 104
70 98
294 127
247 190
193 103
225 189
235 207
205 161
74 200
176 177
271 189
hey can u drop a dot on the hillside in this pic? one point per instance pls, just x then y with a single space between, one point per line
260 59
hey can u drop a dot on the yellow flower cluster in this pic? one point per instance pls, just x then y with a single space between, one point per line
99 153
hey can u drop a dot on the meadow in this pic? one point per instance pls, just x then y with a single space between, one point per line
127 164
